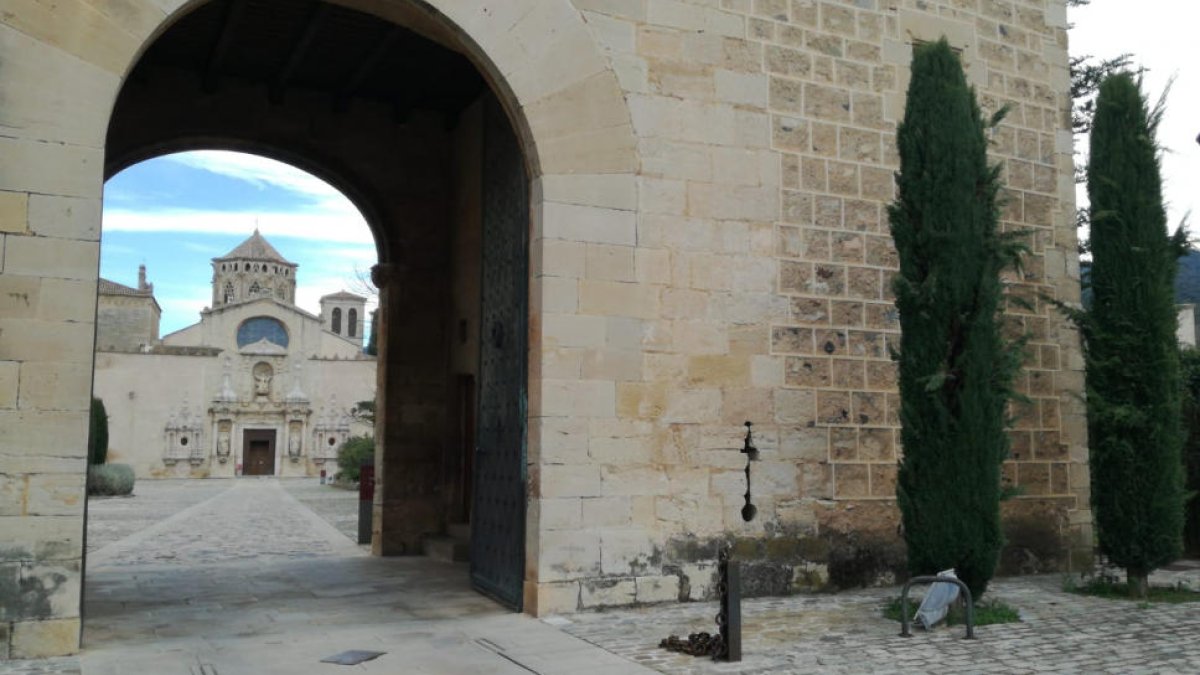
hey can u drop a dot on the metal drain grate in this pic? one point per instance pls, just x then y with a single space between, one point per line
352 657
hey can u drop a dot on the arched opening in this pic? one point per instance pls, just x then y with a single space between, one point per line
408 129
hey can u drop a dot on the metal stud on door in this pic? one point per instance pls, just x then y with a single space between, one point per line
498 513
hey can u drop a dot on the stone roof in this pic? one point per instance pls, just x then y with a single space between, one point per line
107 287
256 247
343 295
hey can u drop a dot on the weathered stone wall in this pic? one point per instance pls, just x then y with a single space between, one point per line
753 271
708 246
125 322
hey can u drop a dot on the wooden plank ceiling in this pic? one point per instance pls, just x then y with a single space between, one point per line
286 45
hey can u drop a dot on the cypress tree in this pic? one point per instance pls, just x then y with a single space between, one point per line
955 368
1133 379
98 436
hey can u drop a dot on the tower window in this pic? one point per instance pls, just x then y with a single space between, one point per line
352 322
228 293
337 320
255 289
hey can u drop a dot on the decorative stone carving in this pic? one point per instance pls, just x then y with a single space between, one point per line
263 373
297 393
330 432
295 446
227 395
224 440
185 438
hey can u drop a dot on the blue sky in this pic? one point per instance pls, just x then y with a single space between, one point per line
177 212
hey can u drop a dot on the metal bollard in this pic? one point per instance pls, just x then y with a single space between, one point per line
729 620
366 499
904 632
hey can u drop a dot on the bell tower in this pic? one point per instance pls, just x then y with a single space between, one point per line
252 270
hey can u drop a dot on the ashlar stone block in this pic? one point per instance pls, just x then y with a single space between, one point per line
568 554
656 589
595 593
41 639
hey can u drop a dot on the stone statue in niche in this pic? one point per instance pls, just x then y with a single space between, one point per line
294 443
223 442
262 379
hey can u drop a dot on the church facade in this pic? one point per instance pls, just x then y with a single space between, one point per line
258 386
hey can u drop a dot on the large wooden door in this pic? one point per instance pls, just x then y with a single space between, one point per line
498 489
258 452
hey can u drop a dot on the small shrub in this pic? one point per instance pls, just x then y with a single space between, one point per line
110 480
353 453
1111 587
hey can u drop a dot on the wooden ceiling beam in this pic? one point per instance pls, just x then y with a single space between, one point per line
356 79
220 50
299 49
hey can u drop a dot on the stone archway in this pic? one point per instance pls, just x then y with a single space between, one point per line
64 68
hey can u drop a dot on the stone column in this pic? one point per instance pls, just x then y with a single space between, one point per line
406 504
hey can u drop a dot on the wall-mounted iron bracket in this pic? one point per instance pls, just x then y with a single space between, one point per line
751 452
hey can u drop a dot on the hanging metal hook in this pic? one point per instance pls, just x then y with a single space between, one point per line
751 452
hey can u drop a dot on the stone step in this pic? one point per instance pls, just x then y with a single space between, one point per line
446 549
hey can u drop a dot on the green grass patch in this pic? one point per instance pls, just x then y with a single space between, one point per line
1113 589
988 612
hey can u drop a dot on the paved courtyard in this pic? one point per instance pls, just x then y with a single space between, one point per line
254 576
261 576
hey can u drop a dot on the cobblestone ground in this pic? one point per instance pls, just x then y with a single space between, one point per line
240 520
221 569
1060 633
339 507
111 519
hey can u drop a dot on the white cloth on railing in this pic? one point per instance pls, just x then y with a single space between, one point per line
937 601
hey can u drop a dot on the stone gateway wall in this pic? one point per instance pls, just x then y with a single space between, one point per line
755 284
708 246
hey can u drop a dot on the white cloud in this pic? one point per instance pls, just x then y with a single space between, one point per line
357 255
263 172
1156 33
341 227
182 311
206 249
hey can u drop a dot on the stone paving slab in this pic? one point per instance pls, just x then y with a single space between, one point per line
337 506
844 633
111 519
68 665
251 519
252 581
209 591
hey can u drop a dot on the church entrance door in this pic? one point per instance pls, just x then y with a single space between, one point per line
258 454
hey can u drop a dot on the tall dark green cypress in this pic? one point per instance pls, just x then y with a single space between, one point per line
98 436
955 367
1133 380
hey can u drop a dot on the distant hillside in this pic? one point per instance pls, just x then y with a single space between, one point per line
1187 283
1187 280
